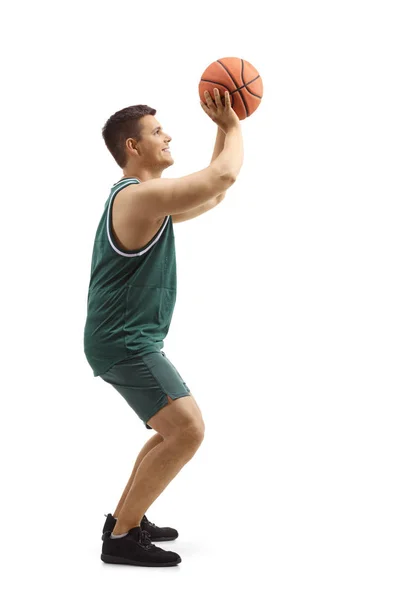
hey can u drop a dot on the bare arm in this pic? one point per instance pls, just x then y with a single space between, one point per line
199 210
158 198
219 144
231 158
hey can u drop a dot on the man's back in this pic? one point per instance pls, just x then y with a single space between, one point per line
131 294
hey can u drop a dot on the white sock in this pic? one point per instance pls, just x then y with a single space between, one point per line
118 536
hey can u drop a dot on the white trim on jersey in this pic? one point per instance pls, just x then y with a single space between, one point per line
120 187
130 179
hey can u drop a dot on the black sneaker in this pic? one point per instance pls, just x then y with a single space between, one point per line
157 534
135 548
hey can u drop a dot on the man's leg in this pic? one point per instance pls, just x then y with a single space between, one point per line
181 426
149 445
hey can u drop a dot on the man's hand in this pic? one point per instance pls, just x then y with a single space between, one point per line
224 116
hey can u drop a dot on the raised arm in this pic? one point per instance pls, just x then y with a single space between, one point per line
157 198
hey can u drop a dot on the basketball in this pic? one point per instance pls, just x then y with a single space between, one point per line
240 78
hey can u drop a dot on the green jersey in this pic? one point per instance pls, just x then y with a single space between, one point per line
131 295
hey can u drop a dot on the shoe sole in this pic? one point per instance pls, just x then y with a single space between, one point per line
164 539
120 560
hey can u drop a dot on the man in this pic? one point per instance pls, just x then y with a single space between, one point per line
131 299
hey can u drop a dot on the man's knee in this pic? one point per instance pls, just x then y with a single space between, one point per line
181 419
191 435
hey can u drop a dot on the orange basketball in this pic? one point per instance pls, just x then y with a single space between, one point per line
240 78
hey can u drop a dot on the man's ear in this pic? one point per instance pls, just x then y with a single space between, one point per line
131 146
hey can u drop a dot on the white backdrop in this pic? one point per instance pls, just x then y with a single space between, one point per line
286 326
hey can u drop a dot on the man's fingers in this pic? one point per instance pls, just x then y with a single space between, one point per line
217 98
209 100
207 110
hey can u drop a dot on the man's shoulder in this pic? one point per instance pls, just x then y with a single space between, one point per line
132 229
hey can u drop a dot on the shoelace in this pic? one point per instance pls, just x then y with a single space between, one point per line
145 520
144 539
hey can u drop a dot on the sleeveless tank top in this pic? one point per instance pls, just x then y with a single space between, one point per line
131 295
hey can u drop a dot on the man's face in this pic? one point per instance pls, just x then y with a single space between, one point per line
153 146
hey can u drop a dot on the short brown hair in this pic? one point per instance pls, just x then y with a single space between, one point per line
122 125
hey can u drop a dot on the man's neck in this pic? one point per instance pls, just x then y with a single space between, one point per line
141 174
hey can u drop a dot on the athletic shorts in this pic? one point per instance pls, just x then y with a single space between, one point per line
145 381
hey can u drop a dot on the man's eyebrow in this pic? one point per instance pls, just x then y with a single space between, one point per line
158 127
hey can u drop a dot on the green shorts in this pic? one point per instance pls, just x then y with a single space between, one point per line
145 381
